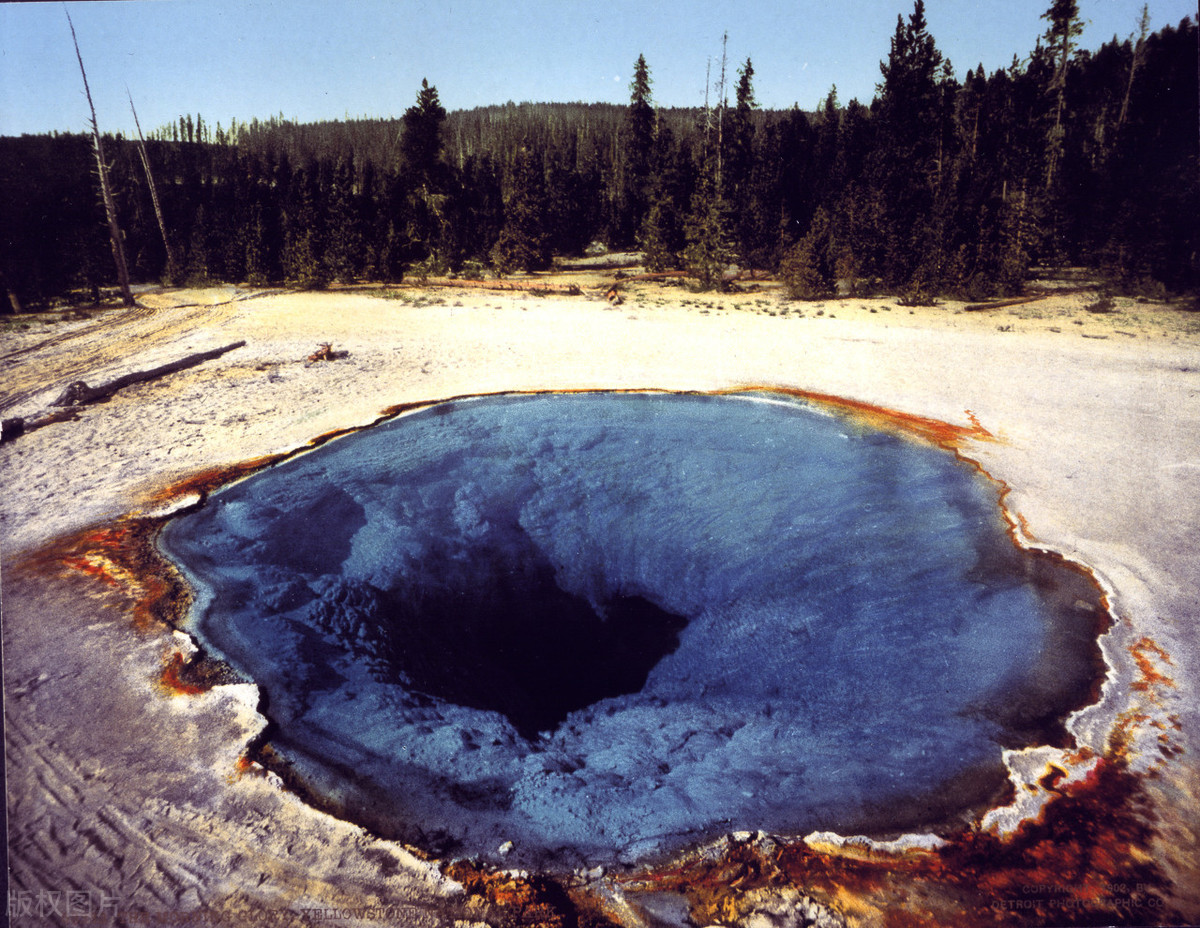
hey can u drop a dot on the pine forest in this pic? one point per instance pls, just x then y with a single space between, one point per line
940 185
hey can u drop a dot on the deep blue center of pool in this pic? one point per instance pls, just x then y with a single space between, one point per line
602 626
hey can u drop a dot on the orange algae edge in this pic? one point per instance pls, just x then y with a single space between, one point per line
1084 860
206 481
1147 653
172 678
121 556
525 899
1152 684
245 766
944 434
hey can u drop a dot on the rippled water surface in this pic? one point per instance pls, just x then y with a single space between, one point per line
607 625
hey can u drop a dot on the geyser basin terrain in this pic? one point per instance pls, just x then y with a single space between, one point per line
604 626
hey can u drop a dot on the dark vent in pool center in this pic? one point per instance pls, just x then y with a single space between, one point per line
504 639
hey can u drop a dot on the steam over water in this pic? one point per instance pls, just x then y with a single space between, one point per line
605 626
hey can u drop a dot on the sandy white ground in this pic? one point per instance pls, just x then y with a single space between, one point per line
119 790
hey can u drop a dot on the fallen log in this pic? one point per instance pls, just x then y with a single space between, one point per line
1000 304
744 274
17 426
613 295
531 286
80 394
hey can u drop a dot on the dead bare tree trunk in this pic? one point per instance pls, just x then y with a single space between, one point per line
1139 51
172 263
721 113
110 208
14 301
708 122
1065 25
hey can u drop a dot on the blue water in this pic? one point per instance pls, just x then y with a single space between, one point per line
603 626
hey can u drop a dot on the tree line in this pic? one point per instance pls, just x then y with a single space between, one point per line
937 186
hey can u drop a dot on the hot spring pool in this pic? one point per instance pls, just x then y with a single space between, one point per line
606 626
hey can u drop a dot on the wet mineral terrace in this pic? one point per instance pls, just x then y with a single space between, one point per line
571 629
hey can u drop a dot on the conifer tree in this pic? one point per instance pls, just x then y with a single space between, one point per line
523 243
710 248
907 166
344 239
799 184
808 268
198 260
1064 27
425 176
739 138
303 249
654 239
640 122
739 159
421 136
634 165
826 146
257 269
661 237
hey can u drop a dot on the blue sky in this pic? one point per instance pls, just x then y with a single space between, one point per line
312 59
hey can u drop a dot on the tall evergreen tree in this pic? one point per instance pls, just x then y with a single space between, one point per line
739 160
304 245
257 267
1138 56
421 135
198 271
907 166
739 136
799 182
709 231
1065 26
826 146
661 237
808 267
426 176
344 249
635 159
523 244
